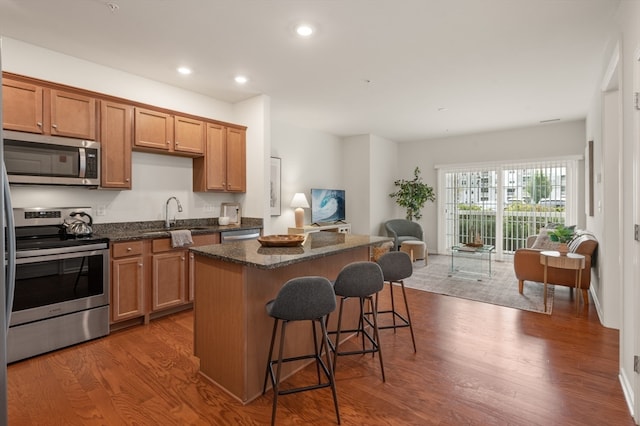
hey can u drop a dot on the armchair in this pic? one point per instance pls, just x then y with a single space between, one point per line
403 230
527 266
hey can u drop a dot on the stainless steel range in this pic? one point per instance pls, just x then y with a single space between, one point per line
62 283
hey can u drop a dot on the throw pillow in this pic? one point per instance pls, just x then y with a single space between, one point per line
543 242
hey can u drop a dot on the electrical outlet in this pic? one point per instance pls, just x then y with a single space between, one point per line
101 210
208 208
636 232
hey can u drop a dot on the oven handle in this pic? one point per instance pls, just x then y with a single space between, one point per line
60 256
60 250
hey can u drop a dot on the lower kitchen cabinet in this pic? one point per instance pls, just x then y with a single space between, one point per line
168 278
127 281
149 277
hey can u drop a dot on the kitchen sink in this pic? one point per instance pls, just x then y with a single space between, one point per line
154 233
163 231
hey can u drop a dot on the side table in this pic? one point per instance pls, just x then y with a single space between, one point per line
569 261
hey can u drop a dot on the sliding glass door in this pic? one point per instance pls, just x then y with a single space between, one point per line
503 204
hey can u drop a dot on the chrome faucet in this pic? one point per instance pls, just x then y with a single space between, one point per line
167 222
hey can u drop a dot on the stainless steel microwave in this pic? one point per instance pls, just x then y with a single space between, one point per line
51 160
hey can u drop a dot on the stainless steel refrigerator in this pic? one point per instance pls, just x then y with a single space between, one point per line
7 275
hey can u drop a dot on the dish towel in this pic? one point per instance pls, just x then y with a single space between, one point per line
181 238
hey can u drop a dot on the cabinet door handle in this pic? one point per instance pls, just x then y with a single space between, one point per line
39 123
168 142
177 143
182 258
140 265
126 180
55 126
129 249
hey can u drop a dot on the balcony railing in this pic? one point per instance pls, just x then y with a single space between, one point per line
516 226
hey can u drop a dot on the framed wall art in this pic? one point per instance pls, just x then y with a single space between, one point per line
275 200
589 178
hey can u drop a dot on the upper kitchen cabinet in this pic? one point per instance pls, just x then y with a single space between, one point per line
28 107
21 106
223 168
157 131
116 134
189 135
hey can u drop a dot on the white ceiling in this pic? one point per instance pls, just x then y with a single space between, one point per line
383 67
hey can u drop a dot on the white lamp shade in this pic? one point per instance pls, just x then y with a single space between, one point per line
300 200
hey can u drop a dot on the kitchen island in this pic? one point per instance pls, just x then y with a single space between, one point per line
234 281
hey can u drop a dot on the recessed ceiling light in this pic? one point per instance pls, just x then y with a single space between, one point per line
304 30
113 7
184 70
241 79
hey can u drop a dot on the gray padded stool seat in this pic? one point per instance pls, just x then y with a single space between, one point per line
396 266
361 280
301 299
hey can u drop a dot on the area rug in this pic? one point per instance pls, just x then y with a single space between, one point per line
499 289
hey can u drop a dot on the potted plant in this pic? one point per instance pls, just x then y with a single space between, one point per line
412 194
562 235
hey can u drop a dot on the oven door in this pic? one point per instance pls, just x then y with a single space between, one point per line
59 283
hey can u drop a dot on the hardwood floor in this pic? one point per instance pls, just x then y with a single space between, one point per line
477 364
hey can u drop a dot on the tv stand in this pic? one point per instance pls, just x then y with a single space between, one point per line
344 228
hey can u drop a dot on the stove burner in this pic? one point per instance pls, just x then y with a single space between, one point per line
44 229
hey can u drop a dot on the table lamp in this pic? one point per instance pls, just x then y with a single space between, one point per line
299 202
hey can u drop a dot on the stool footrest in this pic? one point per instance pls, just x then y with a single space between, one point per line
374 344
301 388
405 321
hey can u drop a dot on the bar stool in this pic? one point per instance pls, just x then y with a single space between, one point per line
301 299
361 280
396 266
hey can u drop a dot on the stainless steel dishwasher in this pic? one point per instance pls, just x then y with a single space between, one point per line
239 235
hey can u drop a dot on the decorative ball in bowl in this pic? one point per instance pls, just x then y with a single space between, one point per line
223 220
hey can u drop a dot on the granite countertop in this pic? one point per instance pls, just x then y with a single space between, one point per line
317 244
127 231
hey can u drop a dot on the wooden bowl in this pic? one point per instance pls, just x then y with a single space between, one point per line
476 245
281 240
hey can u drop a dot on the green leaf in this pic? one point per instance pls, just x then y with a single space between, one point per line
413 194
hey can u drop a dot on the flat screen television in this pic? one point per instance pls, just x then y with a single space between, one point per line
327 206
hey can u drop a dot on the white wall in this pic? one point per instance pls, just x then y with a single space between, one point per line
370 169
604 129
542 141
626 211
384 171
357 155
155 177
255 113
310 159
